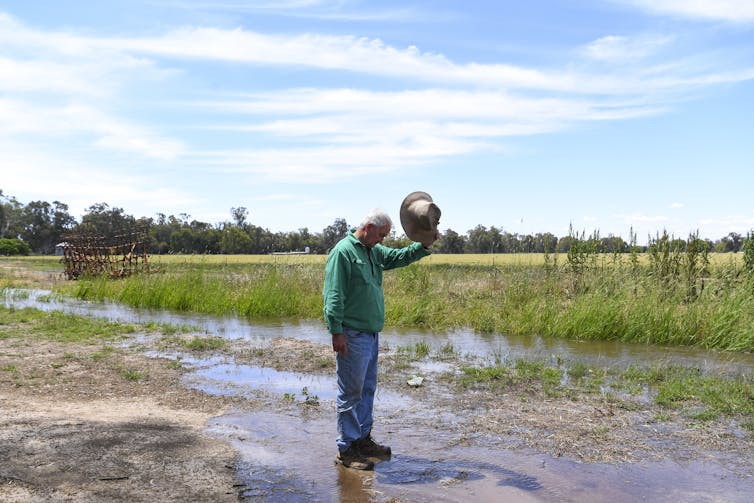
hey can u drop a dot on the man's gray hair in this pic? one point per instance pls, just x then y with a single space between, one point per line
378 218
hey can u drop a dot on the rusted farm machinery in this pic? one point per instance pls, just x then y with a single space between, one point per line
95 255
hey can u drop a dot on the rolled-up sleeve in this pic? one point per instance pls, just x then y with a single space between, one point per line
392 258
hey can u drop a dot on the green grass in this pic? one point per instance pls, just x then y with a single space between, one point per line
709 396
488 374
412 353
195 343
56 326
421 349
59 327
103 354
205 343
447 351
697 396
133 375
578 370
264 291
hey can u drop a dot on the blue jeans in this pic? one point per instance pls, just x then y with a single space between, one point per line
357 383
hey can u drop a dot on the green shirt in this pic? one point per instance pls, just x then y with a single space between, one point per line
353 282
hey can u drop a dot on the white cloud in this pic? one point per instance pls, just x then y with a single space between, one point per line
337 10
45 76
357 54
614 48
85 124
736 11
84 183
442 104
676 205
346 116
328 163
374 57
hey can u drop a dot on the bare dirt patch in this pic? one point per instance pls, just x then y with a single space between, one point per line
75 428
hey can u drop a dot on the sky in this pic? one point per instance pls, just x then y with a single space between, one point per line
607 115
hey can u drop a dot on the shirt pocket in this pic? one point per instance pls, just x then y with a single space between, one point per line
360 272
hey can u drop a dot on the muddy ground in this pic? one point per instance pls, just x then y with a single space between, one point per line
75 426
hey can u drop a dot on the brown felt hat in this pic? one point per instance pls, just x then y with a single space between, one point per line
420 217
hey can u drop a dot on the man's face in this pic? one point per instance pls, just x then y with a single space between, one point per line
375 234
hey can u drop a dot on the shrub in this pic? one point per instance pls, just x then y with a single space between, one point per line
13 247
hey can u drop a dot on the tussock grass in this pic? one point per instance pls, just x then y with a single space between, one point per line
133 375
196 343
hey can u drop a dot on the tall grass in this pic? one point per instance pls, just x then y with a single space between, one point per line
668 296
604 297
260 290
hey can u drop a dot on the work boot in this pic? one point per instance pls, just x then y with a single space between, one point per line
371 449
352 458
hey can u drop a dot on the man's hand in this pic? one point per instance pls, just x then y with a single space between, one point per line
339 344
427 244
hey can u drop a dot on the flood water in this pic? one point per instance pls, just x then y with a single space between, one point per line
463 341
287 454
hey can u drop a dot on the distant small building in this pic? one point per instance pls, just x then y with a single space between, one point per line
305 252
59 248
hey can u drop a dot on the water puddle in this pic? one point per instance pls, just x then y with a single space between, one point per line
230 379
287 455
244 380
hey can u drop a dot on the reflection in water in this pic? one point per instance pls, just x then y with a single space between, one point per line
355 486
288 457
231 379
416 470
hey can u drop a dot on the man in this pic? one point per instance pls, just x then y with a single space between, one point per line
354 311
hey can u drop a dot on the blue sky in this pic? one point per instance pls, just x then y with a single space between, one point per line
527 116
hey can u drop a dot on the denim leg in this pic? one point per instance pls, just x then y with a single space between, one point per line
357 379
366 405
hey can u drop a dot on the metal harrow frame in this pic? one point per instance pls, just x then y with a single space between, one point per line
93 255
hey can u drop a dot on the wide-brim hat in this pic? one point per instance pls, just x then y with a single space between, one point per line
420 217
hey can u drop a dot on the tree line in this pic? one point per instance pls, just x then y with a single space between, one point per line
38 227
